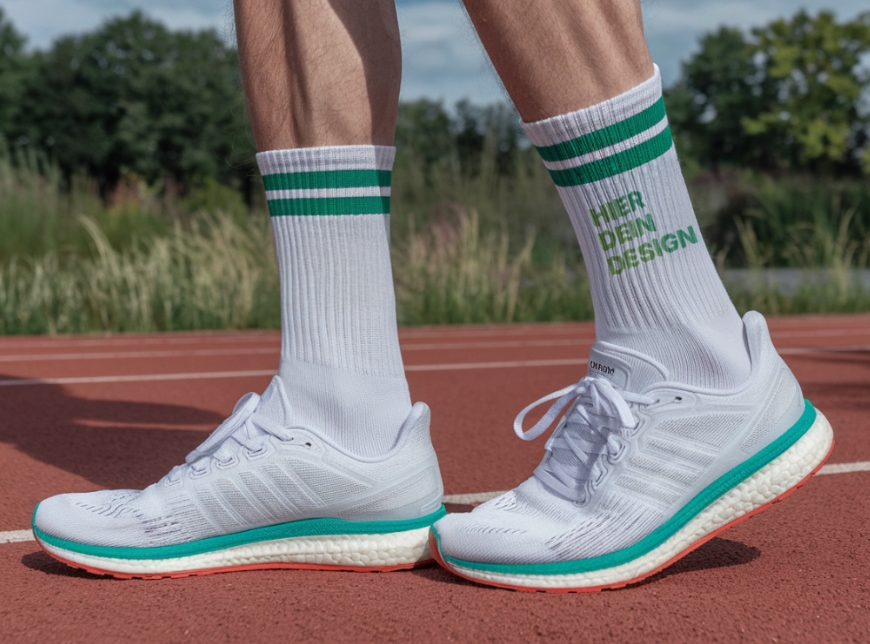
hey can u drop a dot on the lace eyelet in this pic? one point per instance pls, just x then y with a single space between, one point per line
599 479
198 474
614 458
255 454
227 464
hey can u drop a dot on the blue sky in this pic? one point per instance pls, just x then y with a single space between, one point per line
443 59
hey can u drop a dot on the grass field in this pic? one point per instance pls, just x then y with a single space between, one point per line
467 248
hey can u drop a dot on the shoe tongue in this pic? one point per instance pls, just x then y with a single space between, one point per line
627 369
273 404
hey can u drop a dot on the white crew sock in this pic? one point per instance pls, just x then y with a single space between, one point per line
340 357
654 286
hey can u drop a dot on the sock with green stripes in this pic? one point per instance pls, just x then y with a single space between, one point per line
340 358
654 287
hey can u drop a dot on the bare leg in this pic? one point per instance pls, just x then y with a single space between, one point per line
581 76
320 72
559 56
593 514
322 83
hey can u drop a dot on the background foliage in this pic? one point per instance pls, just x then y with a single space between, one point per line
130 98
787 97
125 155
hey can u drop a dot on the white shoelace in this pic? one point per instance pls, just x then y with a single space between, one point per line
241 430
587 432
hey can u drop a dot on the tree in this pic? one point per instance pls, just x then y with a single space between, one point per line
787 97
13 68
136 97
433 135
488 132
816 65
720 86
425 128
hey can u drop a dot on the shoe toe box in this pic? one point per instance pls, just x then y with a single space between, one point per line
488 537
97 518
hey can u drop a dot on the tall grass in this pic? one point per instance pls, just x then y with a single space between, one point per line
467 248
522 204
213 274
795 222
39 210
453 272
219 274
821 227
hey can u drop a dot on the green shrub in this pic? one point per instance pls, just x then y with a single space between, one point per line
795 222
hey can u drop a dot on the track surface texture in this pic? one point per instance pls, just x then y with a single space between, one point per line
84 413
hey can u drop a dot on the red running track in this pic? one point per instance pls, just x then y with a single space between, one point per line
120 411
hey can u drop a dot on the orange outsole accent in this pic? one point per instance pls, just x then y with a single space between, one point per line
212 571
436 552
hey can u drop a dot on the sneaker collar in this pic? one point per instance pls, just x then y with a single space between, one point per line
625 369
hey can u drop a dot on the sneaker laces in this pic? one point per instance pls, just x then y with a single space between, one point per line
243 429
598 420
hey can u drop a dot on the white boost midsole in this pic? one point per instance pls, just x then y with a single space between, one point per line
357 550
763 487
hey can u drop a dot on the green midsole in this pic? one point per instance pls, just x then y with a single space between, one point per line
657 537
289 530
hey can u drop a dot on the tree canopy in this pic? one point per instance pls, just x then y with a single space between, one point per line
13 67
789 96
135 97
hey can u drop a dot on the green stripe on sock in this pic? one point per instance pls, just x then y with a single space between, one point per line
610 135
616 163
327 179
330 206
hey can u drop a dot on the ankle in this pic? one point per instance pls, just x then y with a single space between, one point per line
360 412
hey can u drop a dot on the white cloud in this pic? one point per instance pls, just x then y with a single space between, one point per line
443 58
44 20
673 27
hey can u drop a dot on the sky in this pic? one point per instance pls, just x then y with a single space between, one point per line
443 59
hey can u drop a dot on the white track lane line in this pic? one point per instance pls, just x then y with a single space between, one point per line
150 339
273 336
818 333
117 424
86 380
511 364
242 351
202 375
582 335
474 497
854 348
455 366
509 344
17 536
115 355
845 468
406 334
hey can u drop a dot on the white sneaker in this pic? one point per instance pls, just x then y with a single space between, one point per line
640 472
258 493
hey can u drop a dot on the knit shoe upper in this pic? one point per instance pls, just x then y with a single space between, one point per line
257 469
631 452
